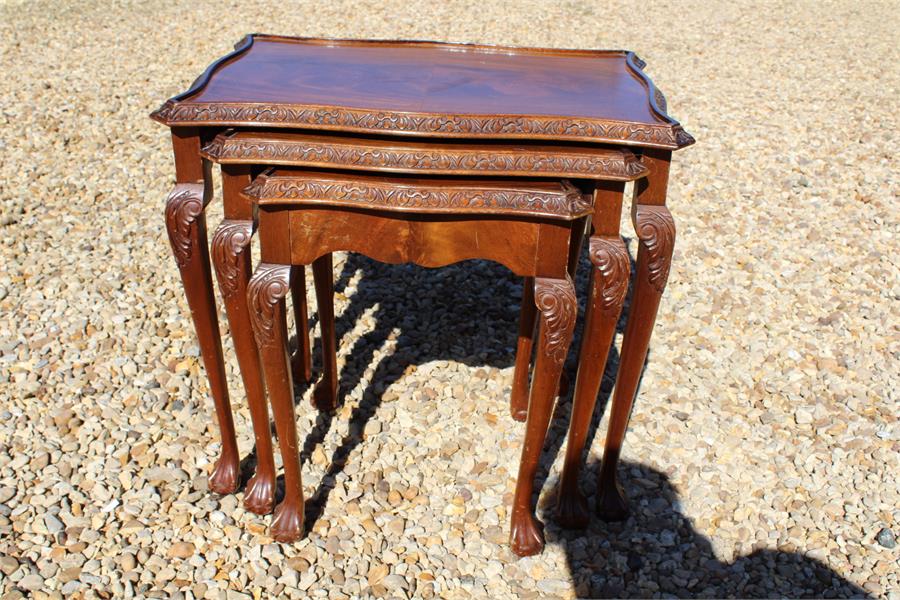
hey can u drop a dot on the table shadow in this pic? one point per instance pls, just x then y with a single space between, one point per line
475 329
656 546
657 552
484 333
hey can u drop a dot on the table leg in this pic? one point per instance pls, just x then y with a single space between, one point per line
518 399
609 284
301 362
325 394
578 233
555 300
231 259
186 225
265 298
656 230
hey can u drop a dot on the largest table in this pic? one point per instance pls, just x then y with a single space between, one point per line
436 90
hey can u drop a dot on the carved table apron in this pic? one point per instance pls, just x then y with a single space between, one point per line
573 97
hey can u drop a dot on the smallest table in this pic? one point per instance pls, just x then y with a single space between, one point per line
526 225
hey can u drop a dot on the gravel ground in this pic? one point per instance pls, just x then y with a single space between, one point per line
761 448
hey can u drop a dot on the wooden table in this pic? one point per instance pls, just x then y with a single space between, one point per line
528 225
432 90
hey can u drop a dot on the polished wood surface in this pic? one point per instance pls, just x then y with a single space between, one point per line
431 88
432 78
449 157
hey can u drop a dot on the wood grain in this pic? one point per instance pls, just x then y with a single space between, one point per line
430 88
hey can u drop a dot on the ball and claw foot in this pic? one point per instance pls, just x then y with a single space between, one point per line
611 503
287 526
226 476
572 510
259 495
519 414
526 537
324 396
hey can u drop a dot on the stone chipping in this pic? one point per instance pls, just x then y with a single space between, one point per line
762 456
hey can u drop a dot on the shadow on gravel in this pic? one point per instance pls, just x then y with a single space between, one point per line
468 313
465 313
657 552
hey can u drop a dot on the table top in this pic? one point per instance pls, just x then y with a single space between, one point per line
425 157
430 89
435 195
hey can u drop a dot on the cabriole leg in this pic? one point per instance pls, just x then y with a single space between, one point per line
656 231
609 284
555 300
265 298
186 225
231 259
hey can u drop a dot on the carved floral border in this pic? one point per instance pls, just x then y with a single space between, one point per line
614 165
663 135
569 203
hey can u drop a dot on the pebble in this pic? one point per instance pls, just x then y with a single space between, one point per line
377 573
394 582
8 565
803 417
886 538
181 550
128 561
306 580
70 587
32 582
54 525
298 563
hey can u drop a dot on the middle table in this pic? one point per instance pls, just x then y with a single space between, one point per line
600 171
